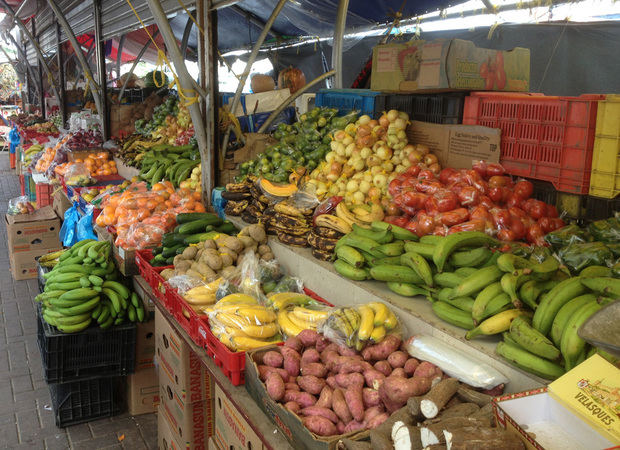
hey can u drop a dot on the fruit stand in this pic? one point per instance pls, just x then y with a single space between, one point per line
390 268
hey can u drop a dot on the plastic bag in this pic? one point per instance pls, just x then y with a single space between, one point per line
454 363
327 206
270 273
567 235
607 230
77 174
20 205
579 256
68 231
245 280
85 226
288 284
139 236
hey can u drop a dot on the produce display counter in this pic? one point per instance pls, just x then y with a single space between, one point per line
414 312
260 423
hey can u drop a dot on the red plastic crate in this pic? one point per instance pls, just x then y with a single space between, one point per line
44 194
152 274
546 138
194 324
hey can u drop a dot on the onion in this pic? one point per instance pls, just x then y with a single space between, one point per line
399 145
340 159
333 189
350 128
401 135
352 186
339 135
367 176
415 156
335 167
358 198
435 168
333 145
403 115
392 130
384 121
332 176
400 124
406 163
340 148
359 165
373 123
363 120
347 139
392 115
365 152
373 160
396 160
374 170
330 156
384 153
374 193
364 141
348 151
422 148
363 130
399 169
364 186
408 148
430 159
377 144
392 139
387 166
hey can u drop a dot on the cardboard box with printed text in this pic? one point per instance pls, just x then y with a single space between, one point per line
143 391
232 431
33 231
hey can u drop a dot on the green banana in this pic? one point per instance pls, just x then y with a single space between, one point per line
380 237
465 271
444 294
348 271
470 258
113 297
477 281
360 243
431 239
391 249
497 305
95 280
546 268
453 315
426 250
447 279
135 301
104 315
131 313
406 289
571 344
603 285
385 260
419 265
565 313
96 312
483 298
108 323
81 308
595 271
350 256
389 272
140 313
532 289
511 263
117 287
75 328
527 337
451 243
512 281
492 261
509 340
72 320
528 361
399 233
462 303
551 303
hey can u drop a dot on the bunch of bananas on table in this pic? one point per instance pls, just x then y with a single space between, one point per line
50 259
168 162
289 223
82 289
297 312
202 297
246 199
30 152
359 325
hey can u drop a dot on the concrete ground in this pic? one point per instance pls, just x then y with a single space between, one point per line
26 415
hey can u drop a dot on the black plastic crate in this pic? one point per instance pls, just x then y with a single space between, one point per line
90 353
434 108
84 401
544 191
601 208
137 95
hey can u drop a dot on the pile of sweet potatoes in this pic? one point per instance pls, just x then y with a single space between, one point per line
335 389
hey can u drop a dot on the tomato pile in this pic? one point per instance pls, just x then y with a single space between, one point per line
480 199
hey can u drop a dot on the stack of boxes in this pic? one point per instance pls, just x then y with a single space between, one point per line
142 385
186 389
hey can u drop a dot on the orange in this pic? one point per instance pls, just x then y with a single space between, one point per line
197 196
200 208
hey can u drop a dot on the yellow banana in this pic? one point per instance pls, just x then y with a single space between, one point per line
301 323
196 299
282 300
381 312
366 323
343 212
378 333
232 320
257 314
244 343
497 323
261 331
309 315
288 327
333 222
238 299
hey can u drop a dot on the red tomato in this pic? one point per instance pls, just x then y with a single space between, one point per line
413 170
426 175
408 210
472 177
498 180
480 167
545 224
440 231
486 202
480 213
552 211
469 196
395 187
411 225
446 200
517 212
535 235
428 186
413 200
472 225
431 205
446 175
399 221
453 217
556 223
409 184
538 209
482 186
496 194
505 235
517 227
494 170
392 209
524 189
501 218
513 200
425 225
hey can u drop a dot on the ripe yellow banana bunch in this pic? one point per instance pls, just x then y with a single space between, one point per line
293 320
200 297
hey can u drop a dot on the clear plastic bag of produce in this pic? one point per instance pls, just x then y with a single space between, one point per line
19 205
359 325
33 162
607 230
244 280
270 273
139 236
60 157
77 174
567 235
199 295
453 362
578 256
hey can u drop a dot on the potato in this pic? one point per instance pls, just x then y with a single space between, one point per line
320 425
178 259
320 411
210 244
314 368
397 359
325 399
273 359
310 355
268 257
227 260
167 273
234 244
308 337
351 379
410 366
291 386
190 252
275 386
339 405
200 245
292 407
257 232
263 248
383 367
311 384
373 376
214 262
304 399
199 254
294 343
427 370
370 397
228 272
193 273
383 349
355 402
248 242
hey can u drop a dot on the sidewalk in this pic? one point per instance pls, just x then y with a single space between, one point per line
26 416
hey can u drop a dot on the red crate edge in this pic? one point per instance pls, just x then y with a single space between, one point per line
152 274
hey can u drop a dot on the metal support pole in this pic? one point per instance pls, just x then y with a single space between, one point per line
219 4
187 82
80 69
22 54
341 20
186 33
119 55
39 74
78 51
135 63
61 77
102 109
248 67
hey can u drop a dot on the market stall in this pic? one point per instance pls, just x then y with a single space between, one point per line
383 270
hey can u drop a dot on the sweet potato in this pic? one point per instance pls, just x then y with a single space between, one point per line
390 405
399 389
343 350
427 370
354 425
314 368
398 372
304 399
319 411
311 384
310 355
349 364
263 371
275 386
321 343
331 381
291 386
377 420
292 362
320 425
410 366
308 337
339 405
382 350
340 427
373 411
383 367
294 343
372 376
331 346
288 351
370 397
349 379
329 356
292 407
325 399
397 359
273 359
355 402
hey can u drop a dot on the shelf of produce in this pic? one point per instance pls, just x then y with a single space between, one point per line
261 424
414 312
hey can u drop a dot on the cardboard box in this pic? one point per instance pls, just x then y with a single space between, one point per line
213 445
60 204
143 391
232 431
575 411
165 437
290 424
457 145
448 64
145 345
179 367
261 102
24 264
190 423
38 230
